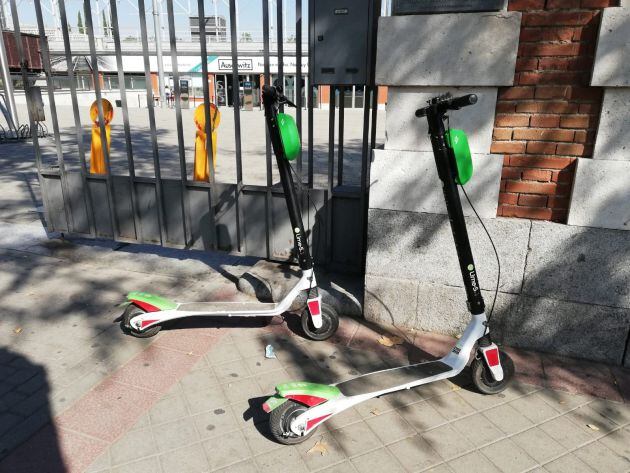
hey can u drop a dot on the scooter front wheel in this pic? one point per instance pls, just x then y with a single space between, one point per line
483 380
280 423
330 323
131 311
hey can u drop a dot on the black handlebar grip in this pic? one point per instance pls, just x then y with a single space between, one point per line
463 101
421 112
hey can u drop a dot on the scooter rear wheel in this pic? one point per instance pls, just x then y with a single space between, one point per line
483 380
330 323
131 311
280 423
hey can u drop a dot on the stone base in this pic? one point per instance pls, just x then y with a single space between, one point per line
269 282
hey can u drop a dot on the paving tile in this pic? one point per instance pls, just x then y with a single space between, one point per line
508 419
101 464
242 389
258 438
185 341
168 408
528 366
403 398
285 459
601 458
538 445
568 464
259 364
618 441
146 465
108 411
231 371
131 446
441 468
343 467
214 423
414 453
586 418
478 430
451 405
534 408
198 380
473 462
357 438
155 368
174 434
222 351
377 460
188 459
374 406
447 441
390 427
564 432
314 460
247 466
422 416
229 448
482 401
508 456
205 400
562 401
269 381
618 412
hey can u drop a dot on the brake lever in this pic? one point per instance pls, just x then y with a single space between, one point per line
288 102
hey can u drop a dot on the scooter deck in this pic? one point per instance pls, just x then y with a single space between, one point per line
226 307
387 379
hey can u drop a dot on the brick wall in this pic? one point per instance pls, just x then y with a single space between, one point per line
549 117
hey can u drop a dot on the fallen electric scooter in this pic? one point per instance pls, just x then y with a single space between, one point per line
146 313
298 408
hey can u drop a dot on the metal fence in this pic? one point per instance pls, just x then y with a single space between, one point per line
245 219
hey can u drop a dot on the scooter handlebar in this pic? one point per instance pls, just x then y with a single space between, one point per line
445 103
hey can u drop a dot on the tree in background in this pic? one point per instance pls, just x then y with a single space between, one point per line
246 37
80 23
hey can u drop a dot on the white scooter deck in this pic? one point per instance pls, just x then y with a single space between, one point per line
224 308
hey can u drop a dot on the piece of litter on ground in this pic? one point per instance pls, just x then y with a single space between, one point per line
269 353
189 353
375 412
390 341
17 330
320 447
592 427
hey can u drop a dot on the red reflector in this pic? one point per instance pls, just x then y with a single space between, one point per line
144 323
266 408
315 421
306 399
492 356
313 307
145 306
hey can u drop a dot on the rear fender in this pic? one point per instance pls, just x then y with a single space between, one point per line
150 302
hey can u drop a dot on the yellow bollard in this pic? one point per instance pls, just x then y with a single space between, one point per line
97 158
201 172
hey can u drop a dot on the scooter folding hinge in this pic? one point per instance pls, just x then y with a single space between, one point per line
315 309
493 361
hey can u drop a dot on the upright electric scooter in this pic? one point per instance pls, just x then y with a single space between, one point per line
146 313
298 408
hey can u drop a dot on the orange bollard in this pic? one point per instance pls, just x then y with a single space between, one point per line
97 157
201 171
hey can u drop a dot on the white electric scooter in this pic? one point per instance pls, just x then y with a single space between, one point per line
299 407
146 313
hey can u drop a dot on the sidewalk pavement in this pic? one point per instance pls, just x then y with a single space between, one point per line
78 395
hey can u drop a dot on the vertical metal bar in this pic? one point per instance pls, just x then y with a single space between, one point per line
331 170
89 206
375 5
149 89
178 115
34 130
53 111
237 110
101 121
7 84
309 98
280 46
267 75
298 79
125 111
342 106
206 107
